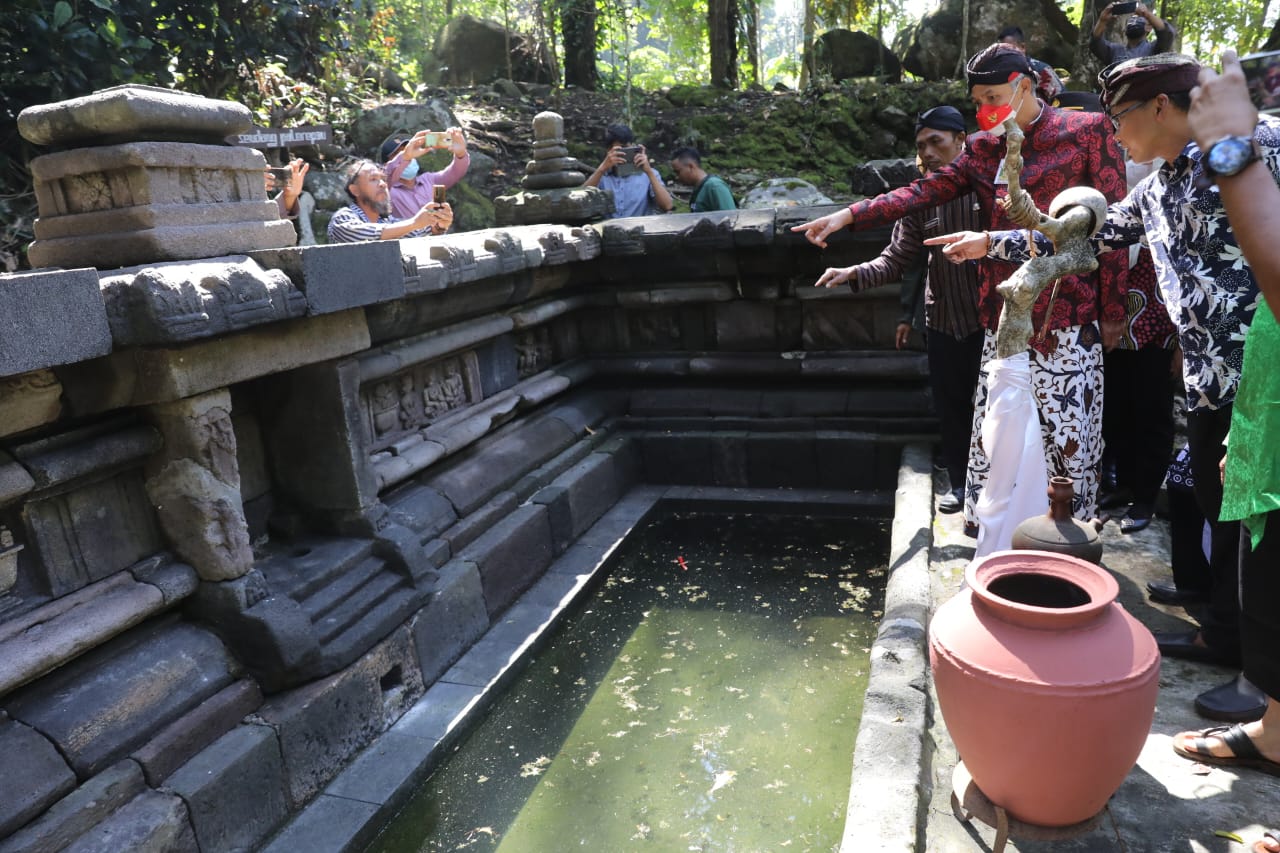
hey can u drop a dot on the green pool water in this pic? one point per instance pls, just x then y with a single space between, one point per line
705 697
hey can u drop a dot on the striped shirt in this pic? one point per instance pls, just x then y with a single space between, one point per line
951 290
350 225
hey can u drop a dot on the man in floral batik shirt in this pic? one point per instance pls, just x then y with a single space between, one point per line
1211 295
1061 149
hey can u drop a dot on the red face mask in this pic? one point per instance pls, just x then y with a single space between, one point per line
991 118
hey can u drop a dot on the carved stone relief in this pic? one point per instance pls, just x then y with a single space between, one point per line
417 397
194 483
654 329
534 351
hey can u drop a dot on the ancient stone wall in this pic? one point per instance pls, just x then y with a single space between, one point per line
253 506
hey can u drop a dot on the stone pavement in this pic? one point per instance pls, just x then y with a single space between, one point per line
1167 803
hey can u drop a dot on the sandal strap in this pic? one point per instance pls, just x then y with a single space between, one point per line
1201 744
1239 742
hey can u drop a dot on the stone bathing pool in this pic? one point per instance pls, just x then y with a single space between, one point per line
879 809
705 695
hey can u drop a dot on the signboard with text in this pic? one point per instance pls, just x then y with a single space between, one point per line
283 137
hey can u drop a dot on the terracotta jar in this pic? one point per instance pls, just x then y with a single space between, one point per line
1046 684
1058 530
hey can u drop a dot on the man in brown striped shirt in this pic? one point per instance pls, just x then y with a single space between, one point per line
953 330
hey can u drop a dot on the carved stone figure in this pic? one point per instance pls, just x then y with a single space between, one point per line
1074 216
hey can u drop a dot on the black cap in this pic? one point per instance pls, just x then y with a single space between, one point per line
391 146
941 118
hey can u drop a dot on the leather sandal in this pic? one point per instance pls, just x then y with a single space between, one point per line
1244 753
1268 843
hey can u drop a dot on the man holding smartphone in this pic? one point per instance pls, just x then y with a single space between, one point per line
411 190
626 172
369 215
1141 22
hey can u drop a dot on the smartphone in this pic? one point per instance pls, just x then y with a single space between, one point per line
437 193
436 139
1262 76
1124 8
628 166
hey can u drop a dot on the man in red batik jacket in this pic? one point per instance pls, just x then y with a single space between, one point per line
1062 149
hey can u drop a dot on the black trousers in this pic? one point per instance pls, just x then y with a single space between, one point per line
1220 624
953 375
1137 419
1260 608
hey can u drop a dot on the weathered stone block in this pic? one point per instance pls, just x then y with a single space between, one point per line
77 812
49 636
422 510
511 555
183 738
54 318
572 206
234 789
150 821
341 276
451 621
676 459
29 400
133 112
470 527
322 725
746 326
578 497
182 301
139 202
161 373
100 707
782 460
501 461
38 775
329 825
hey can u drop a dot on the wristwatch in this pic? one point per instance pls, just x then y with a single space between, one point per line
1229 155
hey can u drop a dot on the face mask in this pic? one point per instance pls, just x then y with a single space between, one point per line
991 119
1134 31
410 172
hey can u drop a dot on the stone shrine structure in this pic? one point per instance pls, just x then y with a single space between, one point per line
166 187
552 182
258 500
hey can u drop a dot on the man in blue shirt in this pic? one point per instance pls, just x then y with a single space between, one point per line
627 173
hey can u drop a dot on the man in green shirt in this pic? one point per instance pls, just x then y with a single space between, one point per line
709 192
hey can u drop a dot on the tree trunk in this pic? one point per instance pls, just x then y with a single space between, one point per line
806 49
722 33
753 39
578 26
1085 74
1273 40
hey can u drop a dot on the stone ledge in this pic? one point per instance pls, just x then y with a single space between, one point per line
133 112
62 630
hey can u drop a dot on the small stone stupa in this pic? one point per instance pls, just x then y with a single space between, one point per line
552 182
145 175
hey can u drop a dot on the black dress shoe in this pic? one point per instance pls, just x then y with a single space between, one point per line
1182 644
1167 593
1237 701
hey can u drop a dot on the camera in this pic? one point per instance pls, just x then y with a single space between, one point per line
628 167
437 193
1124 8
1262 76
